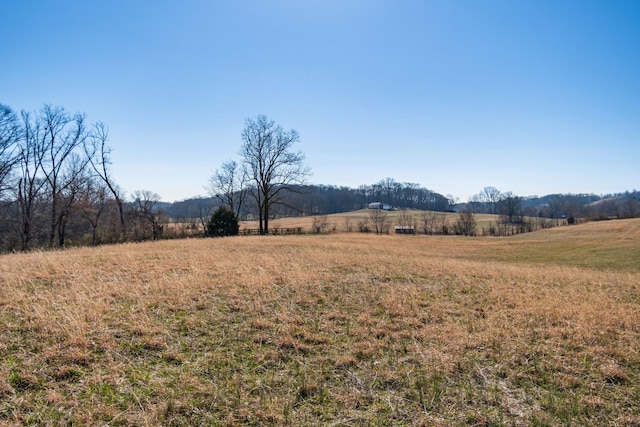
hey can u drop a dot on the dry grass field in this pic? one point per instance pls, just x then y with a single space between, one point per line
340 221
341 329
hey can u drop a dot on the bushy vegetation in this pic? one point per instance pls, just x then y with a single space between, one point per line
223 223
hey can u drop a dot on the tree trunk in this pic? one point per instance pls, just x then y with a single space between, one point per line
266 219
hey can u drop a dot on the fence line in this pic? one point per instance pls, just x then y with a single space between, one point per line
272 231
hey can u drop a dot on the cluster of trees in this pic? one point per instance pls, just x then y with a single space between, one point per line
56 186
270 180
491 201
268 174
589 206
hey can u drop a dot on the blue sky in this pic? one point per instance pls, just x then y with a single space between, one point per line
534 97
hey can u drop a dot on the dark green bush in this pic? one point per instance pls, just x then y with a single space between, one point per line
223 222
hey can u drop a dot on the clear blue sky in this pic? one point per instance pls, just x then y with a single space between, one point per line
534 97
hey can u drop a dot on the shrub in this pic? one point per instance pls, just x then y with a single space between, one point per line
223 222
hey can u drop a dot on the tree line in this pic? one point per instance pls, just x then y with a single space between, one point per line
514 209
57 188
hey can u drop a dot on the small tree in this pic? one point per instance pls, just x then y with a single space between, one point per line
320 223
143 208
223 222
228 185
466 223
380 221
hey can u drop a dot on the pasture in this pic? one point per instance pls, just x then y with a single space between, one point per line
340 329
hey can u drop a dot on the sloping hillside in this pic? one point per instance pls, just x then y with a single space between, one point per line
611 245
338 329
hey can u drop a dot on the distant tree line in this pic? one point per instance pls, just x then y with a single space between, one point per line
406 195
304 200
515 209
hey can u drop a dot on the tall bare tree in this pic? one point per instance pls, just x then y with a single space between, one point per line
98 154
270 164
74 181
62 136
31 153
9 136
93 203
228 185
491 196
510 207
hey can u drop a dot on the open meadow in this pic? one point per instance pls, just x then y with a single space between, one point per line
336 329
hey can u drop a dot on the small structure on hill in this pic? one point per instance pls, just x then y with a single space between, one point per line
380 205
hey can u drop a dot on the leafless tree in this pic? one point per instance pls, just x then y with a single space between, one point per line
270 165
31 153
320 223
363 225
348 227
74 180
62 135
98 154
380 221
491 196
144 208
406 219
92 204
510 207
228 185
429 222
9 136
466 223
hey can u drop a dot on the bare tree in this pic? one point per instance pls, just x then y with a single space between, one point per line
228 185
144 208
270 165
443 224
62 135
429 222
74 180
466 223
406 219
380 221
491 196
348 226
92 204
320 223
31 153
510 207
98 154
9 136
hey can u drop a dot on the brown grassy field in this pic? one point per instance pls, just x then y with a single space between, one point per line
340 221
340 329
